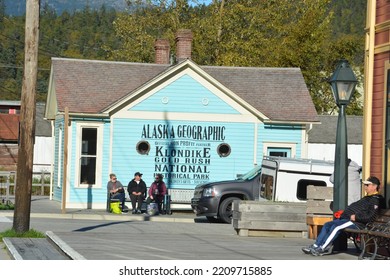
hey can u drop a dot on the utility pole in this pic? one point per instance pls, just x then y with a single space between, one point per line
23 186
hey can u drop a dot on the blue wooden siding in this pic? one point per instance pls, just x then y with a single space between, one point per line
185 159
185 95
279 134
97 193
126 160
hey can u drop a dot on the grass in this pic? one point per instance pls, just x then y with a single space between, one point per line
32 233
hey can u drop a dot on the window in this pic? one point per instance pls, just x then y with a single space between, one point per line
143 147
279 152
88 156
302 187
279 149
223 150
267 186
88 148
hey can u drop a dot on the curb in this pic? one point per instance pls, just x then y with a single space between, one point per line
112 217
11 249
64 247
109 217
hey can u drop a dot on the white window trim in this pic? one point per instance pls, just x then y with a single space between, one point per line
99 153
60 152
291 146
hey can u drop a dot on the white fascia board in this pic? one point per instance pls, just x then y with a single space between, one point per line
151 115
185 68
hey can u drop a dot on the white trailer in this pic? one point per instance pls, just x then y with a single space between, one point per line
286 179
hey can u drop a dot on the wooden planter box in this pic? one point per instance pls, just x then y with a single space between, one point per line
276 219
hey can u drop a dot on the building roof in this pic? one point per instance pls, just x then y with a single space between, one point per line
9 128
325 133
90 86
9 123
42 126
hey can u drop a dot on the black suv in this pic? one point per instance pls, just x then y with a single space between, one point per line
214 200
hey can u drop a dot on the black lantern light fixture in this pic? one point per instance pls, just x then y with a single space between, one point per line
343 83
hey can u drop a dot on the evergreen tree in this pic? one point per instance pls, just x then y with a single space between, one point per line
311 35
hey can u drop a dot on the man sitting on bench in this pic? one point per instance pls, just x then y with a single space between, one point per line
356 215
137 192
116 191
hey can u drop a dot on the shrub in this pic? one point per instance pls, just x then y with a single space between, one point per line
8 205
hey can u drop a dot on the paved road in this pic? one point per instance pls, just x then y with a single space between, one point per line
97 235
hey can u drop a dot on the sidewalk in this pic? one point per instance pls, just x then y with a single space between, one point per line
98 235
43 207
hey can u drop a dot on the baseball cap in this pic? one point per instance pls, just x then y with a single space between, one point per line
137 174
372 180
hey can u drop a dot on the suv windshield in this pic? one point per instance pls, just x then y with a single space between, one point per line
250 174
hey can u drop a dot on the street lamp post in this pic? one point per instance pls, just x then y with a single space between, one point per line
343 83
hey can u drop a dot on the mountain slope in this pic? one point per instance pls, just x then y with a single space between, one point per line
18 7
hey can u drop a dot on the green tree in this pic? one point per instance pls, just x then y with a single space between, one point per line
309 34
255 33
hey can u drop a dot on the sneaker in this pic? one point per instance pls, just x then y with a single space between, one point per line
134 212
321 252
307 249
328 250
139 211
316 251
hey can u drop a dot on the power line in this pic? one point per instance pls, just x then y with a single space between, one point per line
45 52
20 67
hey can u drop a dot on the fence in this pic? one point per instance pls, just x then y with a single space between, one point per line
40 184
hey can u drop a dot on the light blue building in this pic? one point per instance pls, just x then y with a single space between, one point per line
191 123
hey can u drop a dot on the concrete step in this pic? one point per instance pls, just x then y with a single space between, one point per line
33 249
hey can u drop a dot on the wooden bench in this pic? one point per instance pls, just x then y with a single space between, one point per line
318 209
374 239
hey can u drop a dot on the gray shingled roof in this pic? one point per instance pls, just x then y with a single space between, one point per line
89 86
42 126
326 131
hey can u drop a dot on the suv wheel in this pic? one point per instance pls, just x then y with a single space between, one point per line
226 209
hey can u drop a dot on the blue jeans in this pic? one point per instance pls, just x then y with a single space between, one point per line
331 230
121 197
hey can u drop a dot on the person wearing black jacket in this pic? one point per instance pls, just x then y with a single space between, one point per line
356 215
137 192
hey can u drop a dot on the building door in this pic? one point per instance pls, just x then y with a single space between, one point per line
386 185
